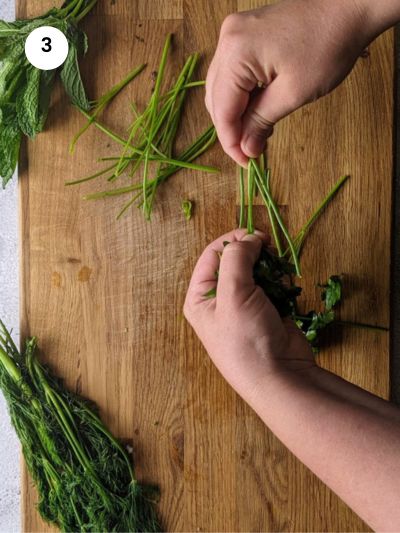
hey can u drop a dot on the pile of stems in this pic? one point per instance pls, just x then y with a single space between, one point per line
149 147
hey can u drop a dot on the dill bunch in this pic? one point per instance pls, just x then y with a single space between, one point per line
84 477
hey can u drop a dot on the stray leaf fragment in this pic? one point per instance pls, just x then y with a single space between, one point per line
187 207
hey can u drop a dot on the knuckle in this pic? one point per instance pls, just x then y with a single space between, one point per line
231 24
188 310
296 96
296 100
263 125
206 101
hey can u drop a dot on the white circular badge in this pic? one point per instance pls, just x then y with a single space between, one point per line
46 48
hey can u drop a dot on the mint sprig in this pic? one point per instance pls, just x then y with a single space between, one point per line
25 91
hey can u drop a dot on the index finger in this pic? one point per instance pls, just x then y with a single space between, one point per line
227 102
204 275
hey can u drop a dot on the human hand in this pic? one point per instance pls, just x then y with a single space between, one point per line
298 49
240 328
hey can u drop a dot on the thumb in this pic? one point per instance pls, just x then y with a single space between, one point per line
236 266
272 104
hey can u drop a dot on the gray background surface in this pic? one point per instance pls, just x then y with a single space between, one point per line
9 446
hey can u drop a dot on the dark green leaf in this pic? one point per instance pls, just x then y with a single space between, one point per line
273 275
313 323
332 292
10 140
72 81
28 103
46 85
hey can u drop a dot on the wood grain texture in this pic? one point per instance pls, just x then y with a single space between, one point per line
105 298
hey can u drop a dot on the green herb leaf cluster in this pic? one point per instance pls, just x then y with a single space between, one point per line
84 476
273 274
149 147
332 292
25 91
314 322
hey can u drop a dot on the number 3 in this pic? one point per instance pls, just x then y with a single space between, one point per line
47 44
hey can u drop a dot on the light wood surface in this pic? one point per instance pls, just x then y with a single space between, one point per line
105 298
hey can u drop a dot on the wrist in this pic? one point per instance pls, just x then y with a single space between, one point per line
284 373
380 15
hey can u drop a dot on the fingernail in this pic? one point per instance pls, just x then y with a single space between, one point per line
253 237
253 145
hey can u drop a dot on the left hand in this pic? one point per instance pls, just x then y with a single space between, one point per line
240 328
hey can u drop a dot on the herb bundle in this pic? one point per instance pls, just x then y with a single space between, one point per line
83 475
275 272
149 146
25 90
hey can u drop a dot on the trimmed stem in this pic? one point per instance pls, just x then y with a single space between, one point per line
274 208
242 198
105 100
250 197
346 323
359 325
272 218
299 239
92 177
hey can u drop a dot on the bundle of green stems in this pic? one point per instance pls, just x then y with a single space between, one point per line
259 181
149 146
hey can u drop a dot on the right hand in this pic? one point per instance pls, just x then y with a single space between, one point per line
299 49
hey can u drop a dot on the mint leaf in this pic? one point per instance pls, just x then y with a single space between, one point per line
24 90
28 103
10 141
70 73
46 85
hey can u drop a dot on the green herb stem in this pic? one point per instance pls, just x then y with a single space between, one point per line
86 11
105 100
250 197
345 323
77 8
88 178
275 210
272 217
299 239
169 161
351 324
242 198
154 101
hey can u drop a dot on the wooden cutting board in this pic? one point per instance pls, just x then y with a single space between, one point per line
105 297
